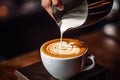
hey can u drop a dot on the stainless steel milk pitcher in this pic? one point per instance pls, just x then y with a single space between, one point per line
97 10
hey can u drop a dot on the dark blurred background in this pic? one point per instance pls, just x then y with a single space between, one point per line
24 26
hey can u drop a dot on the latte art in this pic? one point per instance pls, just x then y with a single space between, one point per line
65 49
69 48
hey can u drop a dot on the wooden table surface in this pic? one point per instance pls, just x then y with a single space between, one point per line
105 46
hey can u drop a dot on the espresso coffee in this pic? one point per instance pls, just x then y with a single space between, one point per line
69 48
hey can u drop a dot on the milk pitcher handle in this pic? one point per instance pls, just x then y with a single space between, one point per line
85 68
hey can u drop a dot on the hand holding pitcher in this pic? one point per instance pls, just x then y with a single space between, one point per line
47 5
97 8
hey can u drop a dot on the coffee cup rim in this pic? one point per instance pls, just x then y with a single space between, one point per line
63 58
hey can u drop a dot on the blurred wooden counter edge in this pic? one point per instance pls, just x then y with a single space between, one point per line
24 60
8 67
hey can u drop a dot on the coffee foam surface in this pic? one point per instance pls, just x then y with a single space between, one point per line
69 48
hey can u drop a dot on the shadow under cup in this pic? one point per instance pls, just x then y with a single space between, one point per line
65 67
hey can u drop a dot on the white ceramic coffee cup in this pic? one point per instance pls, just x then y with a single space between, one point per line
65 68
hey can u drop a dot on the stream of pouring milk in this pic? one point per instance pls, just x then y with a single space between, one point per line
73 19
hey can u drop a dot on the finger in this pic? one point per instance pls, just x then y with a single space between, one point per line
46 4
58 4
